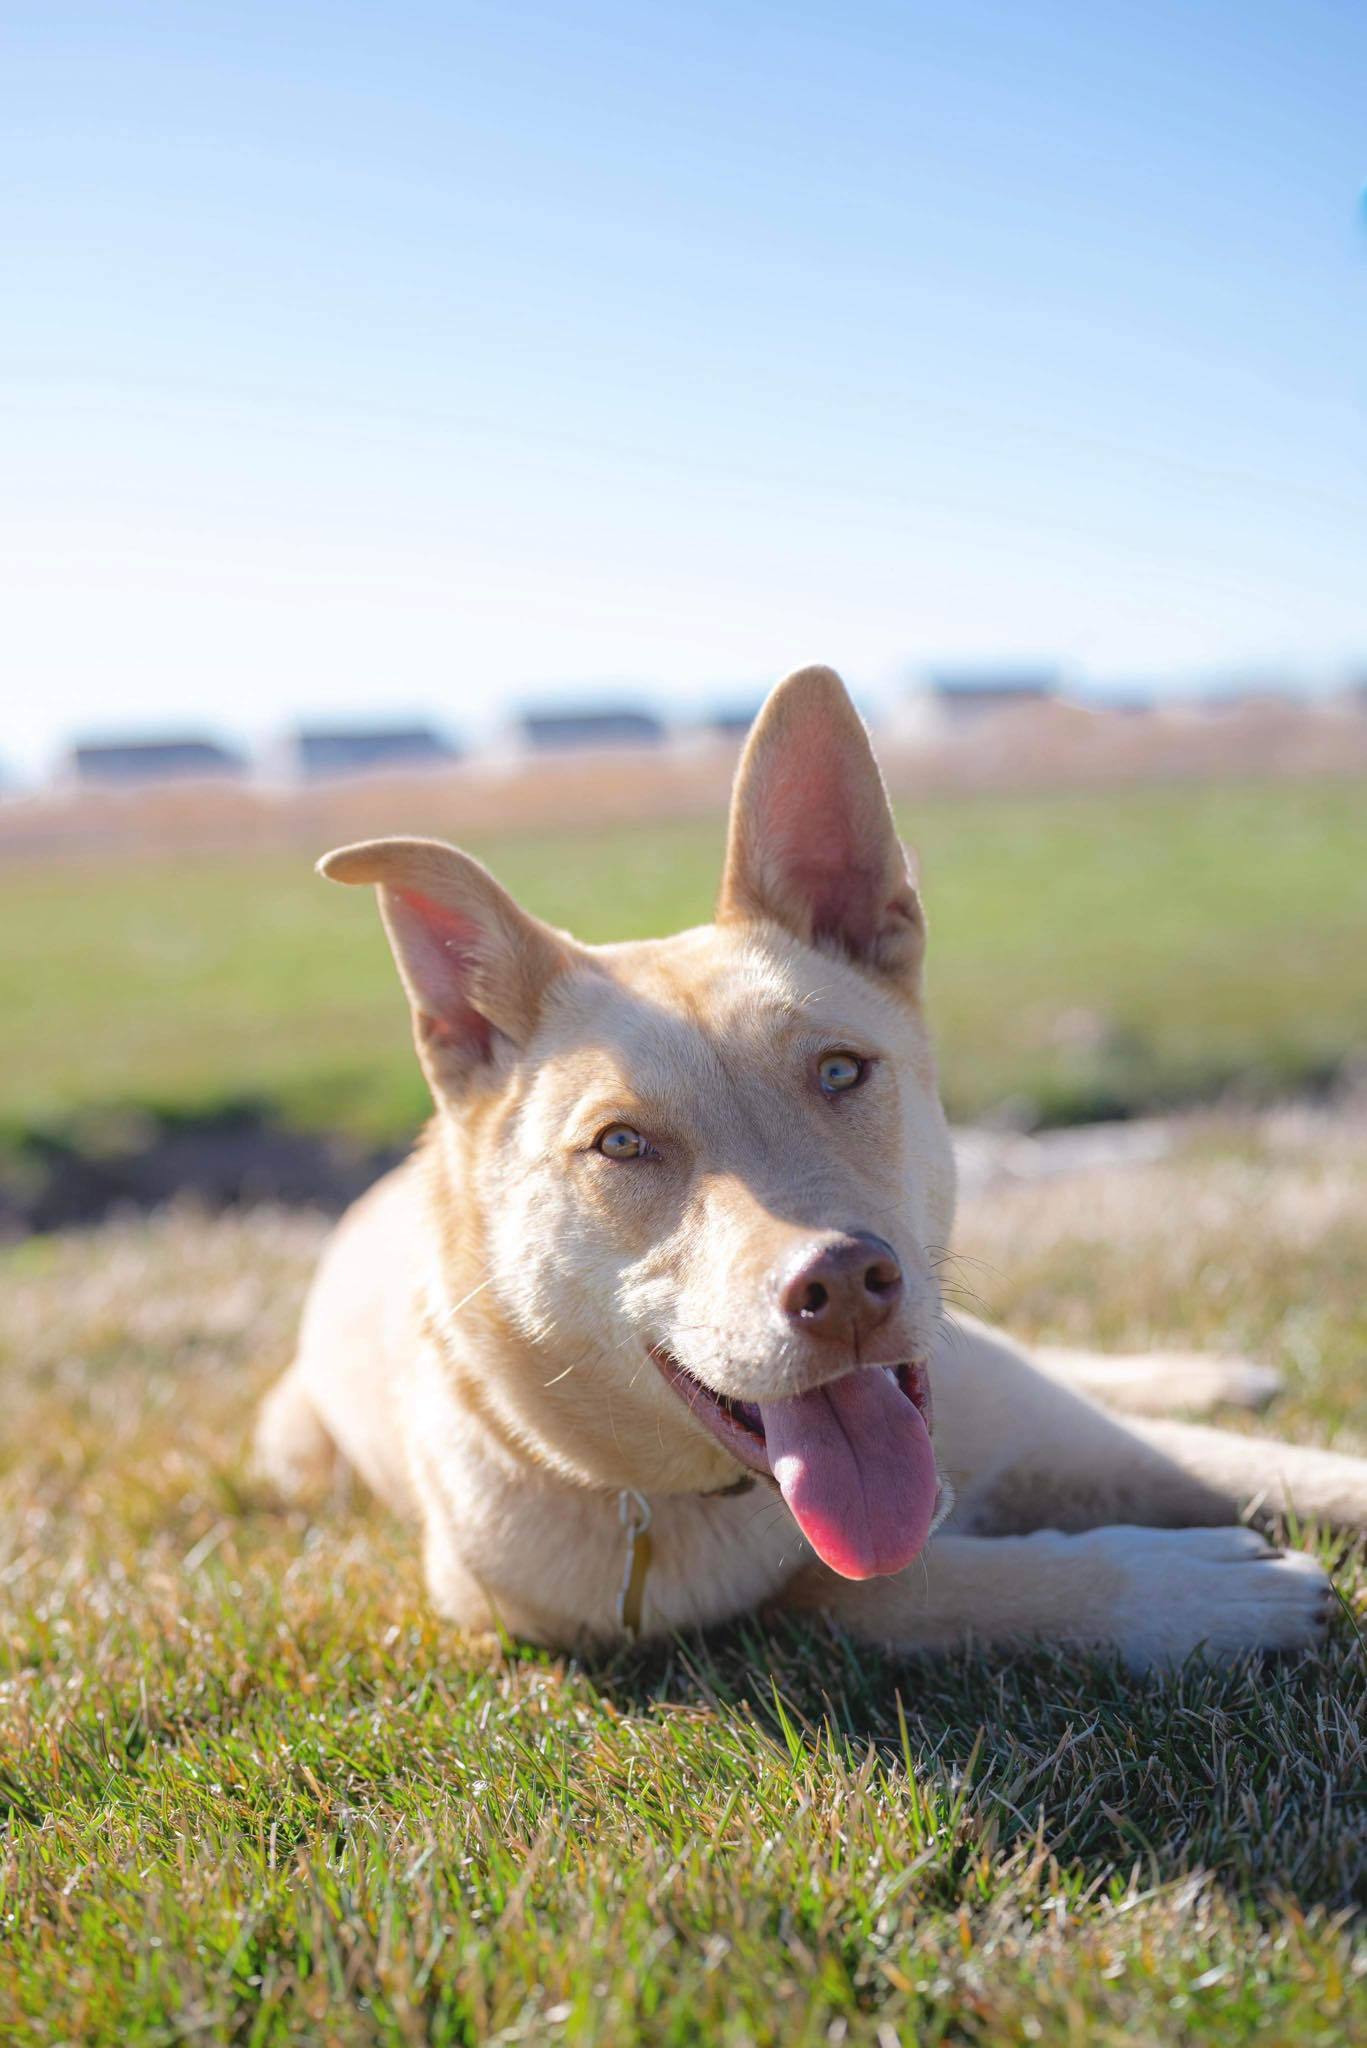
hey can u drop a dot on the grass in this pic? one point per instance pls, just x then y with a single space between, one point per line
256 1794
1092 955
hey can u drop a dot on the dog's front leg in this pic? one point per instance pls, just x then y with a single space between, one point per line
1154 1595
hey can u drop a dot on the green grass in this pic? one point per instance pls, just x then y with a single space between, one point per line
256 1794
1091 955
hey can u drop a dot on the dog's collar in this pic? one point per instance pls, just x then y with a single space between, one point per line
742 1485
634 1514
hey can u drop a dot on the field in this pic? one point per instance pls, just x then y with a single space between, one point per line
257 1795
250 1790
1091 955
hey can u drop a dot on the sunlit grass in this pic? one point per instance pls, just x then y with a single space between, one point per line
257 1794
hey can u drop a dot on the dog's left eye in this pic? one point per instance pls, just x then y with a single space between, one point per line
840 1071
619 1141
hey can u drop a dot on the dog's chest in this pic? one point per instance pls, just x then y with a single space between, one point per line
555 1563
714 1557
700 1560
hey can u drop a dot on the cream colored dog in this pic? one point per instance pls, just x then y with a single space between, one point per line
645 1332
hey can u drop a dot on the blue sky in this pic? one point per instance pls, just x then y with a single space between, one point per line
439 357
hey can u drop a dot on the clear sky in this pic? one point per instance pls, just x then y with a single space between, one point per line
434 357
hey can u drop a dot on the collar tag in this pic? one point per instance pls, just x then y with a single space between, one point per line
633 1512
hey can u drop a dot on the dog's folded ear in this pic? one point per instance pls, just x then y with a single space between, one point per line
475 965
812 843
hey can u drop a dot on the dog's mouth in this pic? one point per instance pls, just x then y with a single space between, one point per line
852 1459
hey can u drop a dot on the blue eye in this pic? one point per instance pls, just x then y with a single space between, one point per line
619 1141
841 1071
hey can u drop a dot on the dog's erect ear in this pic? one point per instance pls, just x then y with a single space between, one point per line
812 844
475 965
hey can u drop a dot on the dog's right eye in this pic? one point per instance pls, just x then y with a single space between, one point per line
619 1141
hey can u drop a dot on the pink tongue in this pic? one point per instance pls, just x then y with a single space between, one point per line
854 1463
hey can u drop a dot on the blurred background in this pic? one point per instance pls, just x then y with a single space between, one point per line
452 418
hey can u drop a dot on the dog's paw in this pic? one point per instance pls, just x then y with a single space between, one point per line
293 1457
1212 1593
1228 1383
1164 1382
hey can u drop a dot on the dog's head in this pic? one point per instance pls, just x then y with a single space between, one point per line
701 1182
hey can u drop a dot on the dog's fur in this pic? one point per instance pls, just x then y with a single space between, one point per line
481 1341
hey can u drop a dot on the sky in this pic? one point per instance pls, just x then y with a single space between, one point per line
438 359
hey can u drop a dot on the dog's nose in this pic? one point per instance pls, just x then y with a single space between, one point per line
843 1289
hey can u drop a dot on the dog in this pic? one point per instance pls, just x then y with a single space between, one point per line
645 1333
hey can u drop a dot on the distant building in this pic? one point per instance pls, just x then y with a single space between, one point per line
127 763
561 731
1130 700
963 698
316 752
732 721
1236 693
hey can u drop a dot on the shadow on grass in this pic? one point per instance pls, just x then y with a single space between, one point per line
240 1151
1255 1775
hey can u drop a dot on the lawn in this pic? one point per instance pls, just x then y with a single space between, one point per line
1091 955
256 1794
